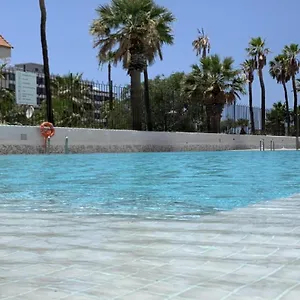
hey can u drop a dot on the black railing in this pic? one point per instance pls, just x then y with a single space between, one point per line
80 103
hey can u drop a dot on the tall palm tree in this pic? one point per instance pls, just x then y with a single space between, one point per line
214 83
248 67
258 51
292 53
279 70
46 61
156 39
201 44
128 27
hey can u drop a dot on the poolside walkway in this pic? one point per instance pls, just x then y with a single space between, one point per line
250 253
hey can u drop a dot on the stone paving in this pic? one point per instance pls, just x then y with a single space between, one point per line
250 253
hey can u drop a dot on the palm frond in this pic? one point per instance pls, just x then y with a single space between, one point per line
124 25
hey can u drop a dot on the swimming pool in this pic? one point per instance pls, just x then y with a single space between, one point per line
168 185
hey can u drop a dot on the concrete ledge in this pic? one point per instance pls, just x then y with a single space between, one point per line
27 140
27 149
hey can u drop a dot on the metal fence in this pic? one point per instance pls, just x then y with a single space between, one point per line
236 112
80 103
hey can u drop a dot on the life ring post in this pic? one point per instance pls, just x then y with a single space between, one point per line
48 144
47 131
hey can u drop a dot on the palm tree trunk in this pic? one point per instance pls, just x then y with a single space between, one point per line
135 92
263 101
208 118
147 101
251 108
215 120
296 123
46 61
111 99
204 50
286 97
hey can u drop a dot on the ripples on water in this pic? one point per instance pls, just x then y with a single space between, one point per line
171 185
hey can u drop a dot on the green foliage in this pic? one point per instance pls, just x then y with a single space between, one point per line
248 68
202 44
132 27
258 51
72 103
119 117
212 84
291 53
214 81
276 119
134 31
242 123
10 112
227 125
170 108
279 68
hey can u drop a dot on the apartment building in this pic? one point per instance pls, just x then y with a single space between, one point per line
98 93
5 48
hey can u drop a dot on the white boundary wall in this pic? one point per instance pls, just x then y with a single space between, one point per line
26 139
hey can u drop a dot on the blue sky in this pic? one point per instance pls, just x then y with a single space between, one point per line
230 24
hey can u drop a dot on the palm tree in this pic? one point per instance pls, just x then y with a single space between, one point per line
131 28
46 61
292 52
157 38
202 44
258 51
248 68
279 70
214 83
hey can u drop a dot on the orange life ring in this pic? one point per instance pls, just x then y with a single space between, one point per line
47 129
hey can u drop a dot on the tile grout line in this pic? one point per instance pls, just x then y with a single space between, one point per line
206 281
287 291
254 281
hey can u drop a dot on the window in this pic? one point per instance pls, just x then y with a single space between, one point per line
40 91
40 80
12 76
12 86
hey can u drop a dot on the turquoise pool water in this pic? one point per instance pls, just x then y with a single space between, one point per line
146 184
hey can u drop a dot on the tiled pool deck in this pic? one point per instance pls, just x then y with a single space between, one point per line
251 253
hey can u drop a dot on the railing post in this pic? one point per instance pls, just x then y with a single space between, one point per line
48 145
66 145
262 145
272 145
